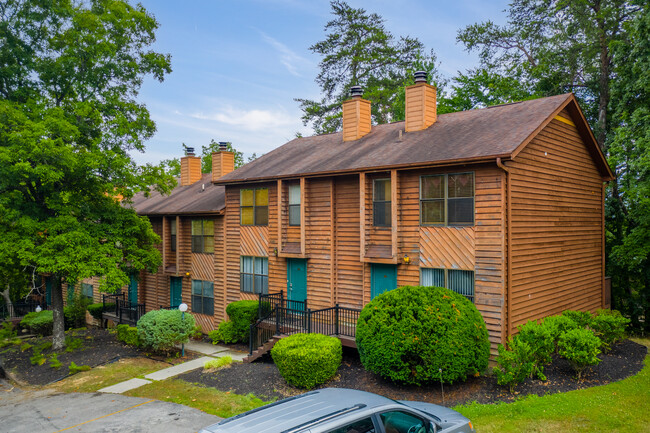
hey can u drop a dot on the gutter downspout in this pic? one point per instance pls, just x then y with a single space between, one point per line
508 247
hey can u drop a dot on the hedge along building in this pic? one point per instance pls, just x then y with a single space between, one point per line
190 224
504 205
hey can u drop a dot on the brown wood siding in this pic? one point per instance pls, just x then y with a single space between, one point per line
350 271
318 218
254 241
556 226
447 247
202 267
218 272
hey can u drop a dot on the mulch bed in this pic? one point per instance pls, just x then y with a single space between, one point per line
262 379
99 347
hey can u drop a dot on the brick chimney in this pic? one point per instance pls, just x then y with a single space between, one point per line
356 115
190 167
420 107
223 162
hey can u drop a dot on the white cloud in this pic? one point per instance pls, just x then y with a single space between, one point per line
288 57
252 120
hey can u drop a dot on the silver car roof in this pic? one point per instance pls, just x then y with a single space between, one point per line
302 411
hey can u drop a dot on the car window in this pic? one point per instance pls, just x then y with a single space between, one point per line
362 426
402 422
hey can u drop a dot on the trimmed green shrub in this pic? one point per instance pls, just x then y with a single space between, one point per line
580 347
39 323
162 330
242 314
307 360
539 339
558 325
74 368
582 318
609 326
225 333
411 333
213 364
128 335
515 364
97 309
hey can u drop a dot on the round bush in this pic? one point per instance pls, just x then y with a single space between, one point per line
307 360
161 330
410 333
40 323
581 348
242 314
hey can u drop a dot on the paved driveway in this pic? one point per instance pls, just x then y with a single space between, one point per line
47 411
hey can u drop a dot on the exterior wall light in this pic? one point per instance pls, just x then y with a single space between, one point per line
407 259
187 274
38 309
275 252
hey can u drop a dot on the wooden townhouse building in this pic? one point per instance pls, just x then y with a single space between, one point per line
504 205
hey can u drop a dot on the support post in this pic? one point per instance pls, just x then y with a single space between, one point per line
336 320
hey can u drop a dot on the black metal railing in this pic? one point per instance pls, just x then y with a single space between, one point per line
335 321
20 308
126 311
174 307
110 300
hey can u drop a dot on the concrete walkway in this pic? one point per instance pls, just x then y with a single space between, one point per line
210 351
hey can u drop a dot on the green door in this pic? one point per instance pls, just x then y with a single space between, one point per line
48 290
133 290
382 279
175 291
296 280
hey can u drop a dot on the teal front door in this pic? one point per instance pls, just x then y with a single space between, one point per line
296 280
382 279
48 291
175 291
133 290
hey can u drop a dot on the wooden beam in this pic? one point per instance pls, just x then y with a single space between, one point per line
602 246
303 219
165 243
333 290
224 263
279 213
178 249
393 213
362 215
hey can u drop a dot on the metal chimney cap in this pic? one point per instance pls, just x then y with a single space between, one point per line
356 91
223 146
189 151
420 77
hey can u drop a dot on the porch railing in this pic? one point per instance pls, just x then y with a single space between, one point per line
280 316
20 308
111 298
127 311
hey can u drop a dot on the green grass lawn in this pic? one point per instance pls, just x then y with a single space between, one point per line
618 407
209 400
109 374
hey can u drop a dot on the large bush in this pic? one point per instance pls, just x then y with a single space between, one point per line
581 348
514 364
540 340
609 326
307 360
242 314
162 330
224 333
411 333
39 323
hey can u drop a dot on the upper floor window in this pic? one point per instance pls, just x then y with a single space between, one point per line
202 236
381 203
254 277
456 280
254 206
203 297
447 199
294 204
172 234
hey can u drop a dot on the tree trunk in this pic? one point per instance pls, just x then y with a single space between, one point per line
58 332
10 305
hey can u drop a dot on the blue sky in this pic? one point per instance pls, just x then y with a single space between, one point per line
239 64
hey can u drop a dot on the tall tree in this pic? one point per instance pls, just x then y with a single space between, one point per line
628 219
358 50
594 48
69 77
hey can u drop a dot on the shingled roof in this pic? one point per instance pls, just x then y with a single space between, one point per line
202 197
462 137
